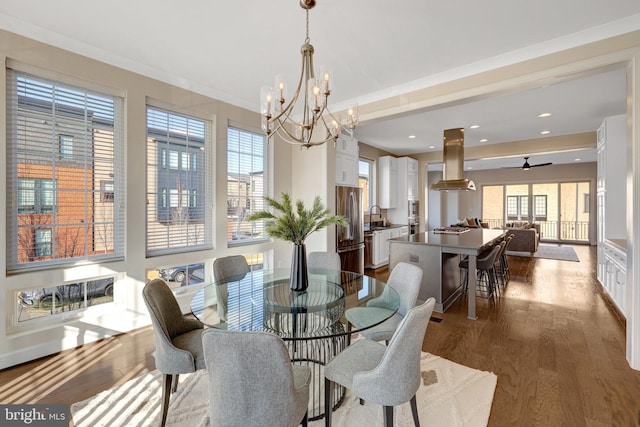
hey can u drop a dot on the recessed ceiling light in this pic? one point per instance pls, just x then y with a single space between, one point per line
432 146
544 115
469 167
545 132
484 140
577 160
412 137
474 126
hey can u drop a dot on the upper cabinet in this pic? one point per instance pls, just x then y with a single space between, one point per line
412 178
407 189
347 161
387 182
612 175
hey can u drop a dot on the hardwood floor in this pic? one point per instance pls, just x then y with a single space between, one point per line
557 349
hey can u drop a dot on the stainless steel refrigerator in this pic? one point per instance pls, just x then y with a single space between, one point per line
350 239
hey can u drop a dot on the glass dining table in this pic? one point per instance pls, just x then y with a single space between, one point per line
311 323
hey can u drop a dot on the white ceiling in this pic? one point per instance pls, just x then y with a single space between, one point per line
376 48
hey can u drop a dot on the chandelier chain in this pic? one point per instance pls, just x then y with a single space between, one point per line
307 40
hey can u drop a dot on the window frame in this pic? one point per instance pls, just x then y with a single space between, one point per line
170 185
65 147
44 110
536 205
371 183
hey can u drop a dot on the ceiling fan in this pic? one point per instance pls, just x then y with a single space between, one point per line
526 166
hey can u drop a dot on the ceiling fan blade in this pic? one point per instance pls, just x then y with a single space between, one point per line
541 164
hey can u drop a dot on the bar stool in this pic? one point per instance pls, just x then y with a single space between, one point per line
505 262
486 274
501 273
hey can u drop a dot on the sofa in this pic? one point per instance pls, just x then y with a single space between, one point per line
526 237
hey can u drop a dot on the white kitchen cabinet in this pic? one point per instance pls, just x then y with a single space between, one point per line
411 166
601 270
381 244
347 161
407 189
381 247
387 182
616 274
602 161
611 203
615 180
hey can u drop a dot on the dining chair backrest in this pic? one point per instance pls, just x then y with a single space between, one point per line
405 279
397 377
318 261
229 266
251 381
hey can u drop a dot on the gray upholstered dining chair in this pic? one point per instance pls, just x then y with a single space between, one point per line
405 279
252 381
318 261
224 268
384 375
229 266
178 339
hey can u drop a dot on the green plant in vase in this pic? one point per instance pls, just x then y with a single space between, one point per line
295 225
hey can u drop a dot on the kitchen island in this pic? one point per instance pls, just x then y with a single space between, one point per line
438 254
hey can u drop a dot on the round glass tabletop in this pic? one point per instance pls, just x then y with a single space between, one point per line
262 301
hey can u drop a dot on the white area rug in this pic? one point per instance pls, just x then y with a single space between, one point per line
450 395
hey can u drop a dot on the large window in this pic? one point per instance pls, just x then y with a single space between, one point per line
365 181
246 184
177 179
62 143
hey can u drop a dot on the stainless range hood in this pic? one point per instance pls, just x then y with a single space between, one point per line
453 167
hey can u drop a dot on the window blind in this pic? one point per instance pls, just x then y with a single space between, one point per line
62 142
177 179
246 185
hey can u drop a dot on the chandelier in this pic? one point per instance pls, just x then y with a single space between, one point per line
310 123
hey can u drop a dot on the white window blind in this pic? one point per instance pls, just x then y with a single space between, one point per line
246 185
177 213
62 142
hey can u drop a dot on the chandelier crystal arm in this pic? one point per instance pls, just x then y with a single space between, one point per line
285 112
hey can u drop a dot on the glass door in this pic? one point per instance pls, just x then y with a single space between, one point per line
574 211
545 210
562 210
